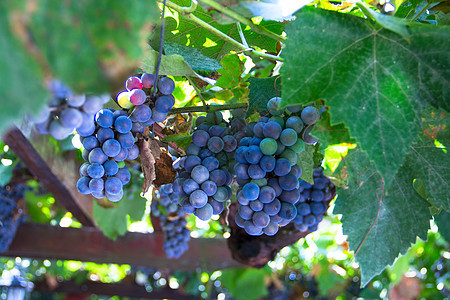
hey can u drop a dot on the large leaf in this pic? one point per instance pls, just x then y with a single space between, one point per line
85 43
22 85
305 160
113 221
174 64
380 223
331 134
193 57
261 90
187 32
443 222
371 78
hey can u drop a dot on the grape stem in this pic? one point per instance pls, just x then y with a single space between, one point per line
161 40
208 108
182 11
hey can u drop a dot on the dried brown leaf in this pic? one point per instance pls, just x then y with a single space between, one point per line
149 152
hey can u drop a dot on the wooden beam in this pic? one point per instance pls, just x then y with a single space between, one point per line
24 150
137 249
122 289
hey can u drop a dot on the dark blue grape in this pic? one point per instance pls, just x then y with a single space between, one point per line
239 221
266 194
200 174
255 141
271 229
310 115
272 130
261 219
126 140
251 228
166 85
163 104
111 167
198 199
83 185
253 154
245 141
104 118
123 124
255 172
104 134
83 169
317 208
301 227
230 143
92 105
96 185
71 118
241 199
288 182
309 220
273 183
123 175
190 185
200 138
245 212
317 195
256 205
241 171
218 176
216 130
217 206
287 211
133 152
58 131
240 154
258 130
282 167
90 143
290 196
273 207
215 144
96 170
97 156
209 187
123 154
113 186
157 116
267 163
251 191
111 147
114 197
192 150
296 170
187 206
304 209
148 80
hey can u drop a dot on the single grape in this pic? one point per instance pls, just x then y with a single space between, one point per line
123 175
104 118
273 106
261 219
58 131
123 124
216 130
268 146
113 186
288 137
191 162
251 191
282 167
104 134
114 197
258 130
218 176
253 154
239 221
204 213
272 208
267 163
142 113
76 100
163 104
290 155
287 211
256 205
245 212
187 207
288 182
92 105
198 199
255 172
133 152
215 144
230 143
211 163
295 123
158 116
123 99
111 167
96 185
272 130
71 118
83 185
290 196
251 228
222 194
310 115
148 80
209 187
96 170
83 169
90 143
190 185
200 138
309 220
126 140
166 85
304 209
271 229
273 183
111 147
123 154
317 208
317 195
241 199
133 82
266 194
97 156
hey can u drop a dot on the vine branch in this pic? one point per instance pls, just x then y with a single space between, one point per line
232 14
209 108
182 11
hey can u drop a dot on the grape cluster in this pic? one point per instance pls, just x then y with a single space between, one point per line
267 169
67 112
204 185
313 203
9 222
111 142
173 223
147 109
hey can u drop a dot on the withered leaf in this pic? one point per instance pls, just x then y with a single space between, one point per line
149 152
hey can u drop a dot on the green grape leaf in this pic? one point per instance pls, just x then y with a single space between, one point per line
245 284
261 90
305 160
174 65
182 140
187 32
370 78
19 67
231 72
432 167
380 223
193 57
331 134
87 44
443 222
113 221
